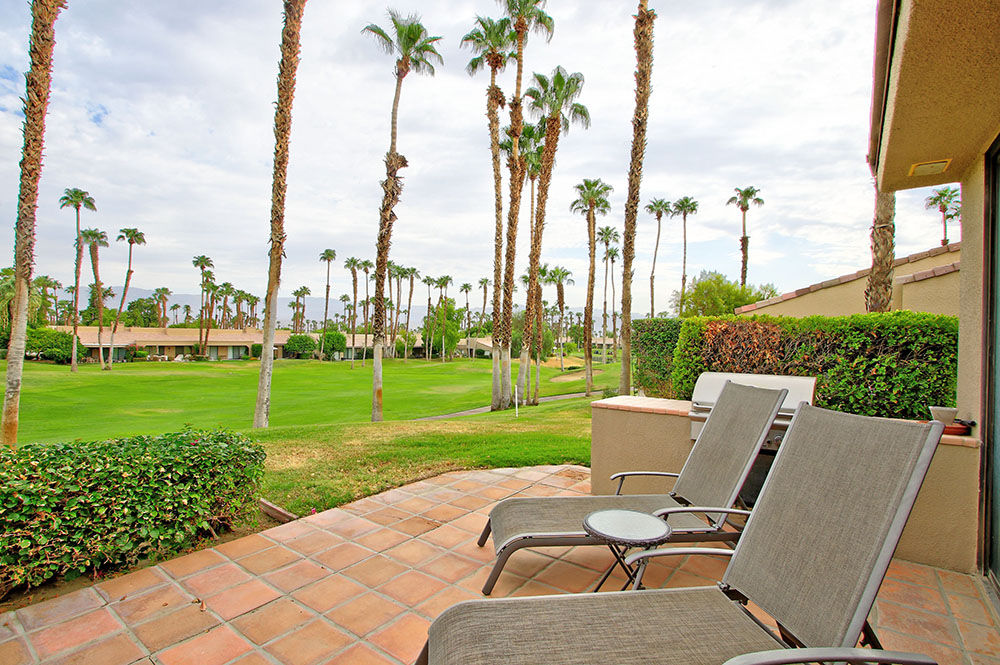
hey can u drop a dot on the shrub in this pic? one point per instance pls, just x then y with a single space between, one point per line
298 346
255 350
334 341
891 365
653 344
141 354
569 348
52 345
72 507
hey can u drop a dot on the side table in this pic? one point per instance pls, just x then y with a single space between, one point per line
623 530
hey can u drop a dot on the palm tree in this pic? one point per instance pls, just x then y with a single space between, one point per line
643 41
366 266
492 40
160 295
878 294
329 256
612 255
948 204
211 293
36 101
684 206
76 199
466 288
442 284
658 208
187 314
42 284
414 50
226 290
133 237
412 274
609 236
560 277
428 326
592 198
353 264
525 15
484 284
175 308
202 263
94 239
252 302
742 200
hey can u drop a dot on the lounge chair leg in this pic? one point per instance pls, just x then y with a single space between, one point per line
422 658
485 534
497 568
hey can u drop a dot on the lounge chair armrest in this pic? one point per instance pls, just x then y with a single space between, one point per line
829 654
663 512
622 475
631 559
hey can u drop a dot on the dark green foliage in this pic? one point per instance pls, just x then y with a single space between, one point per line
69 508
711 294
142 312
255 350
891 364
299 346
335 341
517 335
454 320
653 344
52 345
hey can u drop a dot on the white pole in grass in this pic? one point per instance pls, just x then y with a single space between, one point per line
515 401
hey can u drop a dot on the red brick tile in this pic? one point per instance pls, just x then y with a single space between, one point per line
134 583
567 577
912 573
919 597
681 579
444 512
253 658
375 570
437 604
15 652
505 585
450 567
7 623
595 558
414 552
711 567
327 517
314 542
471 549
414 505
353 527
958 583
117 650
268 622
74 633
363 506
288 531
404 638
979 659
297 575
242 547
981 639
240 599
444 495
328 593
416 525
365 613
917 623
360 654
217 646
467 486
267 560
394 496
469 502
216 579
158 601
382 539
944 655
514 484
446 536
309 644
342 556
412 588
59 609
171 628
472 522
387 516
192 563
528 563
968 608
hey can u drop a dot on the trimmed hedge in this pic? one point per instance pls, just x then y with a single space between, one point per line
892 364
653 344
72 507
52 345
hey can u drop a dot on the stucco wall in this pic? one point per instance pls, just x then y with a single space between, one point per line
937 294
971 345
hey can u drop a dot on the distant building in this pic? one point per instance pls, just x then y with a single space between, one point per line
168 343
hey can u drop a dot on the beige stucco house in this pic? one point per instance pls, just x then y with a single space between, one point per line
168 343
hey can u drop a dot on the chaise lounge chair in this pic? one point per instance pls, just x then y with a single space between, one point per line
812 556
711 477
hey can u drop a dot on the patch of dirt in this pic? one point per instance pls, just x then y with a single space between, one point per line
574 376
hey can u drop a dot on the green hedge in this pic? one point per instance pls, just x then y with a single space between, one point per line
893 365
52 345
653 344
72 507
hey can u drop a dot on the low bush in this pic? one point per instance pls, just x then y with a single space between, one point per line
69 508
892 365
255 350
52 345
299 346
653 344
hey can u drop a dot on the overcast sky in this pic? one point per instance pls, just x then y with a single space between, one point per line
163 111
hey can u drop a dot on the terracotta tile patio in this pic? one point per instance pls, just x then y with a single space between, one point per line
360 584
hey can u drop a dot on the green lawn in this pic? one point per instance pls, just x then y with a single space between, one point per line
148 398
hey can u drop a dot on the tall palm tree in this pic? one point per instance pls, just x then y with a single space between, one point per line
187 314
612 255
329 256
609 236
412 274
353 264
592 199
492 41
428 330
226 290
525 16
95 239
657 208
133 237
442 283
484 284
466 288
287 67
252 302
42 284
366 267
36 101
415 50
878 294
743 199
202 263
643 41
684 206
211 293
76 199
160 295
948 204
175 308
560 277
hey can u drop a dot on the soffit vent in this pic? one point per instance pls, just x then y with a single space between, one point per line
929 168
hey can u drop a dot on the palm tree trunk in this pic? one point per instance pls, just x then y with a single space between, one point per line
494 98
76 290
744 250
99 290
39 80
287 67
121 306
878 295
406 330
364 345
562 314
354 317
684 261
643 38
442 307
652 273
944 227
326 311
604 314
588 311
524 361
614 318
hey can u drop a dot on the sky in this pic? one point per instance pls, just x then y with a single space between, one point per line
163 111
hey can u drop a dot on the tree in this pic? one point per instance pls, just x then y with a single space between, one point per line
175 308
412 274
160 295
712 294
948 204
287 67
414 50
442 284
366 266
560 277
38 85
329 256
742 200
657 208
133 237
484 284
466 288
76 199
643 39
684 206
611 256
492 41
227 291
299 346
608 235
95 239
353 264
878 294
592 199
202 263
525 15
428 332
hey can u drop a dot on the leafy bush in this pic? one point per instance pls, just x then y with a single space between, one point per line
334 341
892 364
298 346
52 345
72 507
653 344
569 348
141 354
255 350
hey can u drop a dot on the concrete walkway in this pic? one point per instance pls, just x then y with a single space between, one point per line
486 409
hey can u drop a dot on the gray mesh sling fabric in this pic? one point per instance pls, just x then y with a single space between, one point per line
829 517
